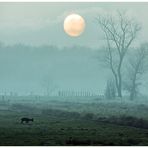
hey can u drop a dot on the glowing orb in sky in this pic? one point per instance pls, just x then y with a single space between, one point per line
74 25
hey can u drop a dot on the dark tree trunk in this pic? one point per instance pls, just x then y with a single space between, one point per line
120 77
133 87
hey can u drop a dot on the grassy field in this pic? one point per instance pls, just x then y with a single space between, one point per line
60 127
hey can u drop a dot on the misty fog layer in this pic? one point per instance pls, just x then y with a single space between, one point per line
36 67
28 70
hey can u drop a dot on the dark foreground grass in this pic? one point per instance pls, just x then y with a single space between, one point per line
55 130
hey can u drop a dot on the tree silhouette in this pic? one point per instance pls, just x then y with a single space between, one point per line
137 67
119 34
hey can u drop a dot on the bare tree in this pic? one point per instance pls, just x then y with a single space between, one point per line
110 91
137 67
49 85
119 34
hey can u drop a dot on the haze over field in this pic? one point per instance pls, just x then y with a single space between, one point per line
28 28
29 69
73 74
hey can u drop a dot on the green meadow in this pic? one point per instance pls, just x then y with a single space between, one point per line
72 123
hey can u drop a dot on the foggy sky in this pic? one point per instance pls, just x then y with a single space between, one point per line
24 69
42 23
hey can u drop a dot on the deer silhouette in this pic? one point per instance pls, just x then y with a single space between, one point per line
26 120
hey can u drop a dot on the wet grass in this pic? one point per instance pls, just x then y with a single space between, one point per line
52 129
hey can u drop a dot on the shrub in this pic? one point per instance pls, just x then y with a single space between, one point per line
125 120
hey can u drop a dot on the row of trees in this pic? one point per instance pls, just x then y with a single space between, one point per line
119 34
